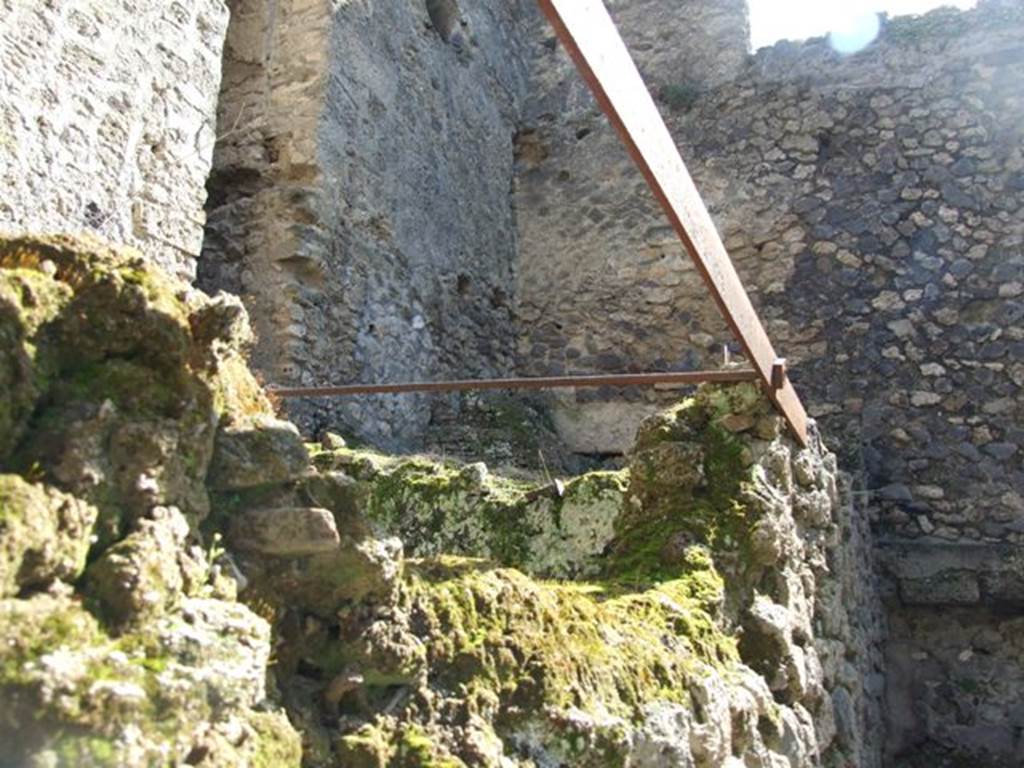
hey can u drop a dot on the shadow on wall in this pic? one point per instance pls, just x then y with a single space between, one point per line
444 15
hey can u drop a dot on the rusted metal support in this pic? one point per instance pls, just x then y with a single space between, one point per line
591 39
549 382
779 373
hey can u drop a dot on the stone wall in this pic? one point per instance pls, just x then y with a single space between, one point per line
107 120
872 204
184 580
360 198
955 678
709 606
953 660
584 210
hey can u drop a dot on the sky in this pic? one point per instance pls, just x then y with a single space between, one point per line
853 23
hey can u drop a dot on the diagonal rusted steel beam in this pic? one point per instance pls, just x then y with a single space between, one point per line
589 35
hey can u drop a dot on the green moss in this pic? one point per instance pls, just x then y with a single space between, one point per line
415 749
526 649
372 746
681 97
237 394
640 632
44 535
72 750
131 386
668 518
31 628
111 372
279 746
29 303
106 684
592 646
386 743
429 502
641 622
722 401
442 508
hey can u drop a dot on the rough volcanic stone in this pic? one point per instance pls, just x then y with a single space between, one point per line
284 532
45 535
264 452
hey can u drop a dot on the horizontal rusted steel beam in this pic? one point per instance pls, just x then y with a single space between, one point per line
548 382
589 35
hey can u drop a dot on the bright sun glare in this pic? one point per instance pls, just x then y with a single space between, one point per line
851 24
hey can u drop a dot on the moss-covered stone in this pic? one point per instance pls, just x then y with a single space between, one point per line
612 668
552 529
133 399
687 474
116 379
29 302
44 535
392 745
72 692
128 372
594 645
276 742
138 578
524 655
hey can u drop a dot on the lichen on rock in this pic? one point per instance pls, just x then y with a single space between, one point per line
45 535
72 692
393 611
644 650
125 398
114 646
550 528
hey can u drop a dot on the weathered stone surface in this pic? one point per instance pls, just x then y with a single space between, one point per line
137 661
359 570
509 431
284 532
44 535
263 452
557 530
108 120
954 574
27 302
127 398
953 685
599 427
72 693
139 578
885 187
361 196
380 658
668 539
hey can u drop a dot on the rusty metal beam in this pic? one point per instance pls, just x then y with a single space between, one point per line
549 382
591 39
